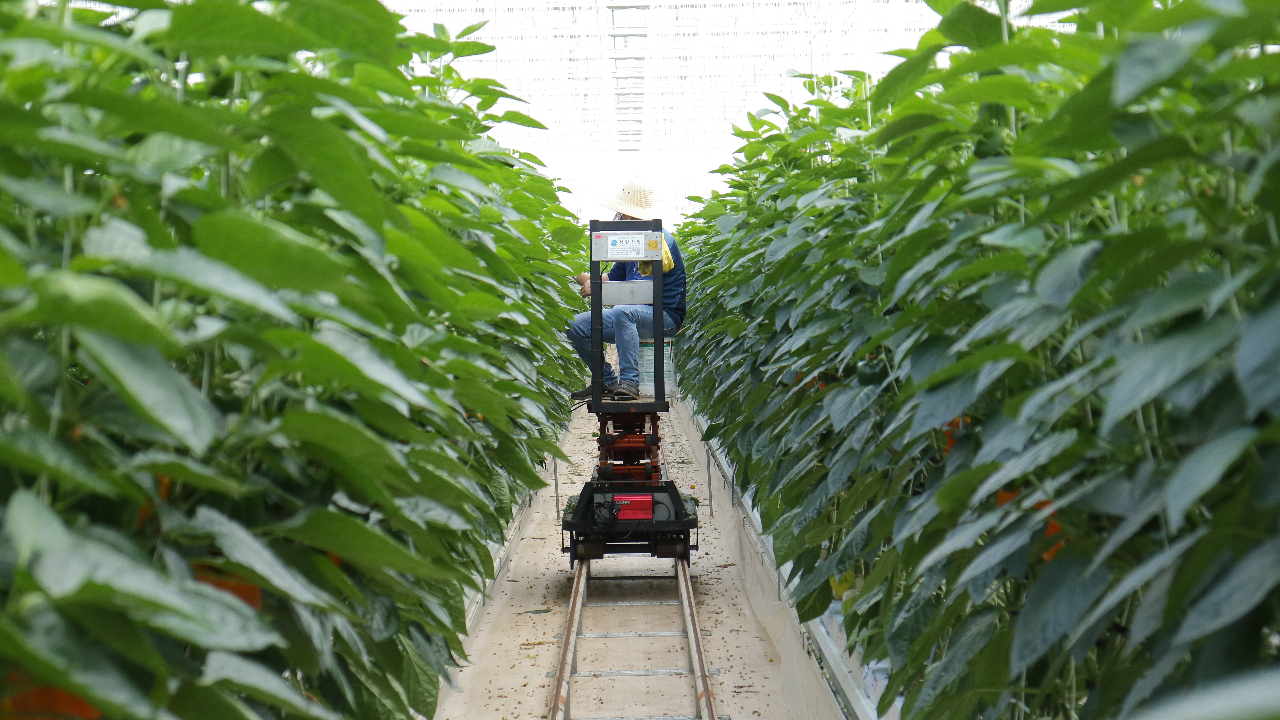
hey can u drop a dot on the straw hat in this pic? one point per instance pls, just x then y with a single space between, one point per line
633 199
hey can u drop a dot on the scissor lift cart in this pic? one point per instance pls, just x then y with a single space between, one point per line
628 505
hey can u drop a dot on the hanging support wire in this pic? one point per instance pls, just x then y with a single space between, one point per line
735 498
711 503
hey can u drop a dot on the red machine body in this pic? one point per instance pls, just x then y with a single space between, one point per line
634 507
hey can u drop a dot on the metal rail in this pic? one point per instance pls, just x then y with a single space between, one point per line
567 667
569 648
706 704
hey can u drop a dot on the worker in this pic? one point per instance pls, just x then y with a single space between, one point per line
626 325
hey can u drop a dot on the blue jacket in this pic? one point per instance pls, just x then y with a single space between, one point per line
673 281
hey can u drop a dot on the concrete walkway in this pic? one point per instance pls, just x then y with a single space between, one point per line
515 638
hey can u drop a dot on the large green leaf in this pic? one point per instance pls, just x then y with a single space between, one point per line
244 548
1152 369
126 244
71 568
1034 457
940 405
74 32
423 511
371 468
471 47
197 271
39 454
12 387
1140 576
317 362
999 56
1061 277
153 388
33 526
361 27
846 402
1238 592
1003 89
1201 470
1062 594
1043 7
1253 696
359 543
969 25
1082 121
1180 296
44 643
270 252
184 469
94 303
904 78
462 180
46 197
1073 193
420 682
219 620
413 125
211 28
162 153
203 124
193 702
965 643
1257 361
331 158
119 633
364 357
511 116
901 127
260 682
1149 61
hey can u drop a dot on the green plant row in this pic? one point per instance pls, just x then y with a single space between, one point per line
279 355
993 347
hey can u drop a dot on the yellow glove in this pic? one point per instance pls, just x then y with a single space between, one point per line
646 266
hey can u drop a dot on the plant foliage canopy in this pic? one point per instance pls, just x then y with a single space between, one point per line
993 345
278 357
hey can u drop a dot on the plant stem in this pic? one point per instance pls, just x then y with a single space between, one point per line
183 66
68 238
207 373
1155 430
33 239
1071 703
64 340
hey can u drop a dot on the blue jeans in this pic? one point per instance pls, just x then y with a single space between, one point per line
625 326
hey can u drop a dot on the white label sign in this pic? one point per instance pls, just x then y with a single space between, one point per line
626 246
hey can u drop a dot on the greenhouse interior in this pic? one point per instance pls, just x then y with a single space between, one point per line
640 360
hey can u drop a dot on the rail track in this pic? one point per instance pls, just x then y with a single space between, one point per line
567 667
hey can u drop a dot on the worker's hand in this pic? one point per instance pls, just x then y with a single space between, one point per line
584 280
